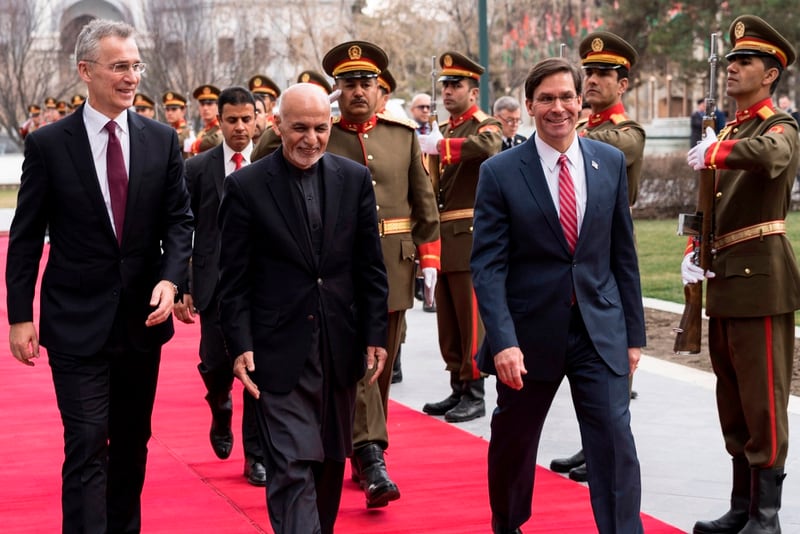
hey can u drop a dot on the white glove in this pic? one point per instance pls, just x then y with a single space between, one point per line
691 273
429 142
697 154
334 96
429 281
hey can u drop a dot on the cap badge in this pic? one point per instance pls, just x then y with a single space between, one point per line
305 77
257 82
206 90
738 30
354 52
169 96
597 44
448 60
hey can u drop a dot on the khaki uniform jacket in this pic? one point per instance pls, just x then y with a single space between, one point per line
468 141
614 127
208 138
756 161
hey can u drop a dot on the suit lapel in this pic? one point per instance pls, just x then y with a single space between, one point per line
138 153
218 166
83 161
533 174
591 168
332 184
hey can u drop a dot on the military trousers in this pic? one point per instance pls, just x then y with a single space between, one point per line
460 327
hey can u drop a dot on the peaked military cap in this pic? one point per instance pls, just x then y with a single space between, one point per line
386 81
143 101
604 50
263 85
456 66
50 102
206 92
61 106
76 100
312 76
34 109
355 59
751 35
171 98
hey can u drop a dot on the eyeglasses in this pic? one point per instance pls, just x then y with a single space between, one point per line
122 68
512 121
549 100
422 106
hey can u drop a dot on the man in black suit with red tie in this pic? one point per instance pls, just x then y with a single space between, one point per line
303 304
557 282
109 185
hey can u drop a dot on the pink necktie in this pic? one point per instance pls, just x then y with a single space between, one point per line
237 160
568 214
117 178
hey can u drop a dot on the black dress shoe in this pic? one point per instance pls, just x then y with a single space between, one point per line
498 529
634 394
254 471
564 465
221 435
579 474
419 292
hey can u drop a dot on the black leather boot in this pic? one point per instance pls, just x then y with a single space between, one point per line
442 407
766 486
378 487
734 519
397 369
565 465
470 406
419 292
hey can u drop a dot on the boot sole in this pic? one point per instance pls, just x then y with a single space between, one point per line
383 499
464 419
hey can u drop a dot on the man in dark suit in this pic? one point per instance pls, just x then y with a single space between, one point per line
108 288
557 281
204 176
507 110
303 303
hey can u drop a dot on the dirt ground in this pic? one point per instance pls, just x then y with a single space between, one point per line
660 340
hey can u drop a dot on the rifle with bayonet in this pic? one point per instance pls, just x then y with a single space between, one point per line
433 122
699 227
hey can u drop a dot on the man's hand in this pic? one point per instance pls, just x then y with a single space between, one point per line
24 342
184 310
429 275
241 365
163 298
634 355
376 358
696 158
691 273
429 143
510 366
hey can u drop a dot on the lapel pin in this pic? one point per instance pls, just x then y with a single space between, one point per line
595 166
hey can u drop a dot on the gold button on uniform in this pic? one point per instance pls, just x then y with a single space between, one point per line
747 270
719 194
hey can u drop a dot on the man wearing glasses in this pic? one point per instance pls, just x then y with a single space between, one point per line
211 134
421 112
508 112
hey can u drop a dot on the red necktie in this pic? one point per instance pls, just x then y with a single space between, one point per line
237 159
117 178
568 213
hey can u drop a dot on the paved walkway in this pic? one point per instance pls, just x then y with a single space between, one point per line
685 469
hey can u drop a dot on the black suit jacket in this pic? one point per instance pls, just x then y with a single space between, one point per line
89 278
517 140
205 174
272 291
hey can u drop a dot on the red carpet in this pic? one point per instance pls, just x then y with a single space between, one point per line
441 470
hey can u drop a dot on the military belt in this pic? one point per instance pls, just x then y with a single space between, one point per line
750 232
394 226
454 215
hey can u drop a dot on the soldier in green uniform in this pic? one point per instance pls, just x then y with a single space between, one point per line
462 144
175 114
211 135
753 282
607 60
264 86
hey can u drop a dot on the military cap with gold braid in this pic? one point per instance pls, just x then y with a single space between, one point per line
751 35
312 76
604 50
171 98
34 109
456 66
61 106
206 92
386 81
355 59
76 100
143 101
263 85
50 102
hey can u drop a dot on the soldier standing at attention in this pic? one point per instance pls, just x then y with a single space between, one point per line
469 138
407 219
269 90
211 134
753 282
144 105
607 60
175 114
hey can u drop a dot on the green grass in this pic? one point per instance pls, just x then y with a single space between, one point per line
661 250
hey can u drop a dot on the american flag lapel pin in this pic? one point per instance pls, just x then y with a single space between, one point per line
595 166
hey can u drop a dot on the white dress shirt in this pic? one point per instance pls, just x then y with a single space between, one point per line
549 159
228 153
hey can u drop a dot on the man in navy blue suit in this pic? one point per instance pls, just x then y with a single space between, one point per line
560 296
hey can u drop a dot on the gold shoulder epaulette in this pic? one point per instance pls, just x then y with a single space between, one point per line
765 112
581 123
337 119
480 115
394 119
617 118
